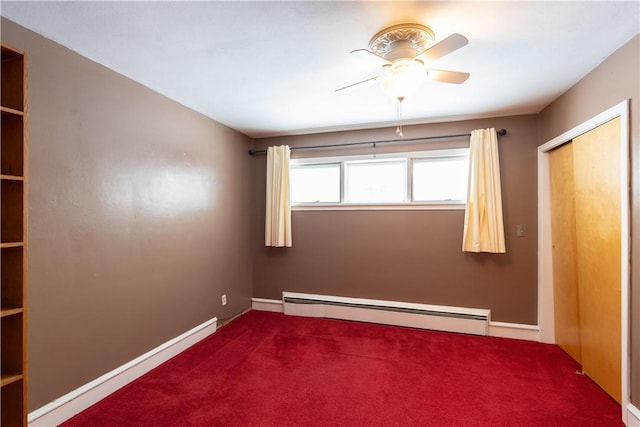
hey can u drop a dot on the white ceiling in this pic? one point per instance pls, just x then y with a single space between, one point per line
270 68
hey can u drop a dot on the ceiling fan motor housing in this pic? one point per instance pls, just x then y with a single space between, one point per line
404 41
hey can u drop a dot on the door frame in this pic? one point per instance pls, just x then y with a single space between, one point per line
546 321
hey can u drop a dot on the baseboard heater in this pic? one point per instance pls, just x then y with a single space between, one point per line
437 317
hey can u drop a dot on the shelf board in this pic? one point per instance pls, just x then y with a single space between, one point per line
10 311
9 52
11 111
12 177
9 378
11 244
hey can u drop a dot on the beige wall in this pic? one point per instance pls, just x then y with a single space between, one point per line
138 218
613 81
410 256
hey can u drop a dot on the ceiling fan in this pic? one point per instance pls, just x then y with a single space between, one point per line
406 52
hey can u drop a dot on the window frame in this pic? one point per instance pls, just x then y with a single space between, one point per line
408 157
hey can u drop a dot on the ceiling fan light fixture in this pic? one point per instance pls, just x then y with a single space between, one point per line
403 77
405 72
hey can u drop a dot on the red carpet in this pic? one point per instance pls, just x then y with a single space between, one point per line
267 369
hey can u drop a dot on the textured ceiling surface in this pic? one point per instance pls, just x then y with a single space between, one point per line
271 68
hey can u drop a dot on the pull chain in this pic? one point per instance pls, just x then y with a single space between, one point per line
399 113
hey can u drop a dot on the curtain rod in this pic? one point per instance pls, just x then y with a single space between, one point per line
501 132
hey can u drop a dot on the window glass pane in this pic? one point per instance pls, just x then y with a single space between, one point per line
315 183
440 179
376 182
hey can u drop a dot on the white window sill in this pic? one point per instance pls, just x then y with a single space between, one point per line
454 206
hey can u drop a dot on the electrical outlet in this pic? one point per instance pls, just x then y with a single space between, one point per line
224 299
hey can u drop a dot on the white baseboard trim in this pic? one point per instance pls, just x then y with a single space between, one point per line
73 403
633 416
264 304
516 331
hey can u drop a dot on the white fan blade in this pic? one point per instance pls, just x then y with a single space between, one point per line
372 79
367 55
443 76
444 47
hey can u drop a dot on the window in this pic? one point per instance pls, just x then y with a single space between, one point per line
422 179
315 183
442 178
377 181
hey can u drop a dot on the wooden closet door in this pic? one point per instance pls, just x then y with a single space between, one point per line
563 235
596 165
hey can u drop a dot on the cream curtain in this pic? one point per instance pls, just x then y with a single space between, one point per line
483 225
278 210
